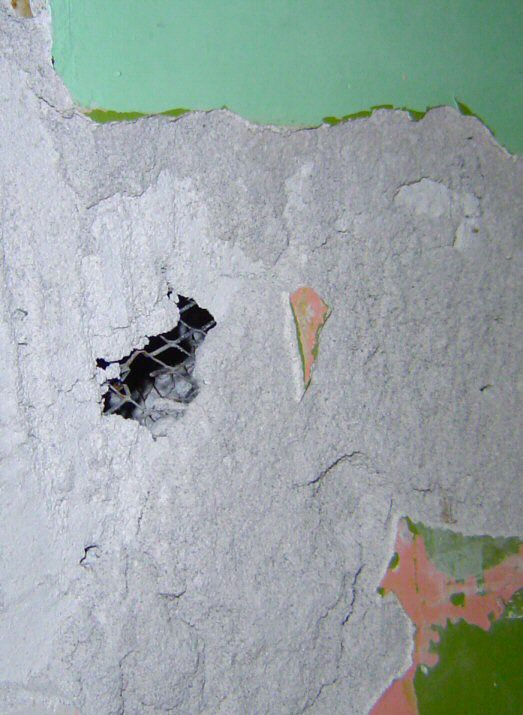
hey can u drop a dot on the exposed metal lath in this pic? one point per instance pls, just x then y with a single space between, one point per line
157 380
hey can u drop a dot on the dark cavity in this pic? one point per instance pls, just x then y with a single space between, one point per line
157 380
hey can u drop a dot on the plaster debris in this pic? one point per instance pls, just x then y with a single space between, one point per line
425 198
222 583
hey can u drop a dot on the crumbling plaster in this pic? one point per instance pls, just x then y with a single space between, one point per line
230 565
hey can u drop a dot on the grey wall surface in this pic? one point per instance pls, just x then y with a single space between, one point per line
236 552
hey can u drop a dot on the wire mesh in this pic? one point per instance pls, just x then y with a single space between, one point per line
157 380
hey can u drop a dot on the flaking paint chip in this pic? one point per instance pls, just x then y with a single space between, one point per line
310 314
443 579
22 8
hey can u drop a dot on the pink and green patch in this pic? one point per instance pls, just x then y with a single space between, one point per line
464 596
310 314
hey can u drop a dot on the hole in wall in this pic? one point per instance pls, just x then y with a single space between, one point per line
157 380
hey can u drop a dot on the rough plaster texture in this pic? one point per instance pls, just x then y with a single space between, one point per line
235 558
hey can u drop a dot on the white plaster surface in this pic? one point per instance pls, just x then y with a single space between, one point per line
235 559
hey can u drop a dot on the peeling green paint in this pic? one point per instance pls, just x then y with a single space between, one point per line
293 62
478 672
462 556
415 114
393 563
102 116
458 599
457 590
514 607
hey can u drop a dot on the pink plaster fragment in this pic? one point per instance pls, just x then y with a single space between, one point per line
310 313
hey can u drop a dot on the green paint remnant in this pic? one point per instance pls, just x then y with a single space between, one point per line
514 608
458 599
414 114
347 117
466 111
102 116
393 563
331 120
462 556
413 528
478 671
286 62
310 315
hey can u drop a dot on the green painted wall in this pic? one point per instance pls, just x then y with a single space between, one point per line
295 61
479 672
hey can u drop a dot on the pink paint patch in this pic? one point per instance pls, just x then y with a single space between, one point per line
310 313
399 698
425 594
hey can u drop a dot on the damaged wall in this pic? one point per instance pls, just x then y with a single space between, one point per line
294 63
230 562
